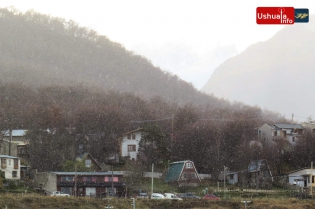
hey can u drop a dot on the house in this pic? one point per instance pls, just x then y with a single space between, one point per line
129 144
265 132
259 174
84 144
182 173
309 126
301 178
14 143
90 162
10 166
289 132
82 183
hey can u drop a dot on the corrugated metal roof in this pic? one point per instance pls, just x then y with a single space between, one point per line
8 156
19 142
116 173
18 132
174 171
302 172
289 126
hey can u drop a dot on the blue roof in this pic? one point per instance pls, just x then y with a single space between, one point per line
288 126
174 171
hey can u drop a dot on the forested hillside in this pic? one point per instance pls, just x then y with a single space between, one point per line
57 116
39 50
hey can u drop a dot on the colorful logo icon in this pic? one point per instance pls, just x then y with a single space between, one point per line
301 15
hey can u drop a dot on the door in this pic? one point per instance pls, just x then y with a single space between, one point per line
90 191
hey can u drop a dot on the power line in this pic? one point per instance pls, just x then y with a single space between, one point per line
144 121
202 119
215 119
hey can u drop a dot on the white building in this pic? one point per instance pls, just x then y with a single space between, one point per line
301 177
10 166
129 146
14 143
289 132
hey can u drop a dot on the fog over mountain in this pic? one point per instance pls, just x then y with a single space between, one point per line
277 74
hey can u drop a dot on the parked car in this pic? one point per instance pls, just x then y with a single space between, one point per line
211 197
59 194
172 196
141 193
188 196
157 196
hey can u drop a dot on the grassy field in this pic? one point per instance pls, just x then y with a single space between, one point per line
35 201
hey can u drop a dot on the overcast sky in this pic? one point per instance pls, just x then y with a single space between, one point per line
188 38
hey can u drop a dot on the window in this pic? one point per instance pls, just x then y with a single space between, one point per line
131 148
111 179
133 136
293 139
275 133
88 163
66 178
3 163
21 150
128 136
87 179
14 173
189 165
110 190
16 163
9 161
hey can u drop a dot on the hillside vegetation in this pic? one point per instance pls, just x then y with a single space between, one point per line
39 50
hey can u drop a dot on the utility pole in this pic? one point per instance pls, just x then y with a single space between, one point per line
292 118
10 144
152 179
133 203
10 138
173 127
224 180
311 179
75 181
112 180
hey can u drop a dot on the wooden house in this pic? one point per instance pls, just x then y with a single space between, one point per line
182 173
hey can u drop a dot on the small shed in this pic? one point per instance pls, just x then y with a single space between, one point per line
182 173
232 177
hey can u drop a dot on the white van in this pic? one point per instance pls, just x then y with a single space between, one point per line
157 196
171 196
